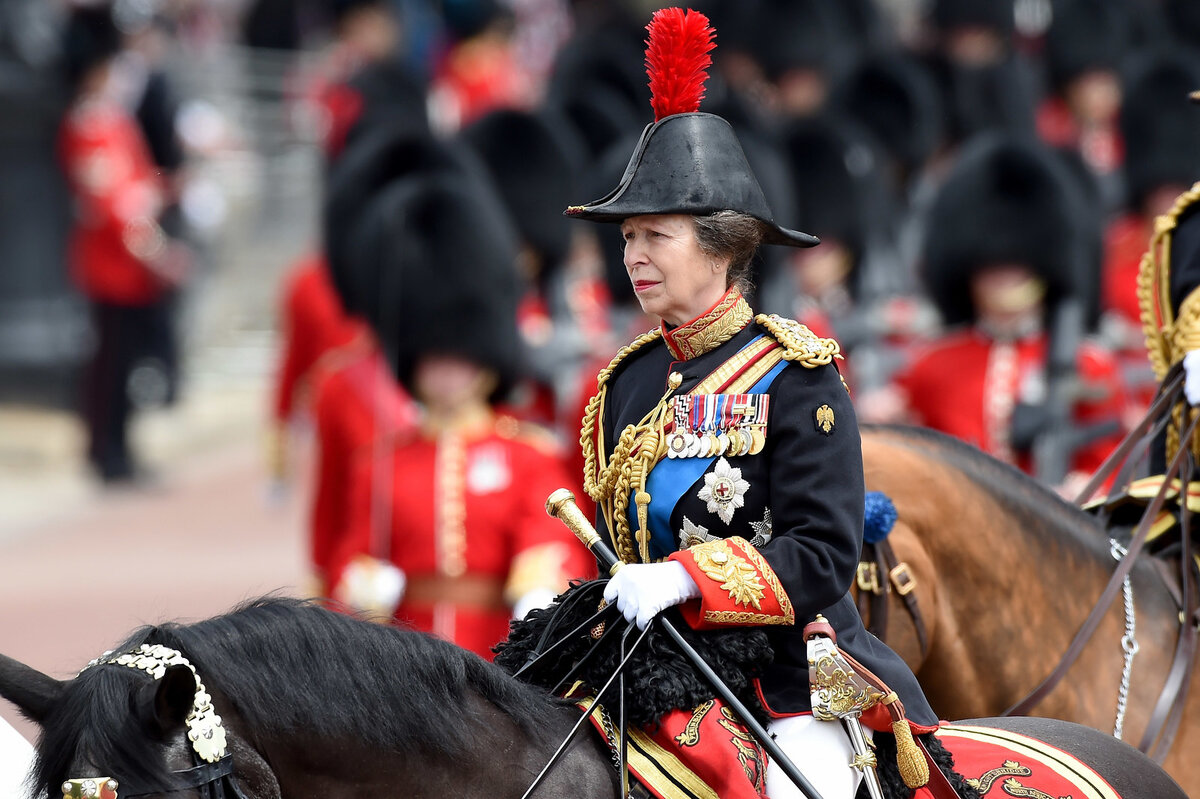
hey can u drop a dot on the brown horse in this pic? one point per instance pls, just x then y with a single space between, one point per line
1006 572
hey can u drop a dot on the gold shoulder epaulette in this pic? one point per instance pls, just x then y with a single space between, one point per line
800 345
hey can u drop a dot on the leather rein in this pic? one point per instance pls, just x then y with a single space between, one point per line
1168 711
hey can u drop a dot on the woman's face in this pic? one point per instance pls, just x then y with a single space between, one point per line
672 277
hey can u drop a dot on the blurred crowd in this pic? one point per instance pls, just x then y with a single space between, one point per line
984 176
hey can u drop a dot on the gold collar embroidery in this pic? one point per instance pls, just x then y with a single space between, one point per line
709 330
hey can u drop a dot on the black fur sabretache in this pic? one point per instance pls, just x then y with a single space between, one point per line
658 679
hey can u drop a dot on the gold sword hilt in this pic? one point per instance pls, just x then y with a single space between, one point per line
561 505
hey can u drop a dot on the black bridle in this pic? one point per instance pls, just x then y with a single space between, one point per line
212 765
213 780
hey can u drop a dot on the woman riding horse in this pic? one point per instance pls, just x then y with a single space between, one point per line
721 448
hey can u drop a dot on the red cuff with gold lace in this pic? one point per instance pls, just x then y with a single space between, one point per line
737 586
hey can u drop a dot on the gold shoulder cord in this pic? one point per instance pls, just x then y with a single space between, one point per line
638 448
1167 338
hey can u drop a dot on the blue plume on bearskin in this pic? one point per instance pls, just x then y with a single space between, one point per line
658 678
879 517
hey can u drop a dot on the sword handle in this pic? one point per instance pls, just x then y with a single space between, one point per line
561 505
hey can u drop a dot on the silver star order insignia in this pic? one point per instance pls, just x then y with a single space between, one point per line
762 530
724 490
693 534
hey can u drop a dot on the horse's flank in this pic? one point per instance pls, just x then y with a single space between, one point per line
1007 572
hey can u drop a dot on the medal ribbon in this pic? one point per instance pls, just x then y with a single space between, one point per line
671 478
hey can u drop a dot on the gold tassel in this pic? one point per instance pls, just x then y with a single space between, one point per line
913 768
643 511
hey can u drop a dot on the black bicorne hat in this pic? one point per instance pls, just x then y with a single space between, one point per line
686 162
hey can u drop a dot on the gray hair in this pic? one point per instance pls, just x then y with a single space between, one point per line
732 235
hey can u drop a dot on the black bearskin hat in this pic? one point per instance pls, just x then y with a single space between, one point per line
805 34
1085 35
686 162
606 60
381 157
340 10
1006 200
391 95
445 256
996 15
532 162
835 170
90 37
1159 125
896 99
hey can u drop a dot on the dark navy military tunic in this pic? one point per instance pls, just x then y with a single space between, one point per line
802 498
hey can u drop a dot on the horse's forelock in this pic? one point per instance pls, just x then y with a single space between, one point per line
94 725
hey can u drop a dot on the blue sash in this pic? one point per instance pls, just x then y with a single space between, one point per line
670 479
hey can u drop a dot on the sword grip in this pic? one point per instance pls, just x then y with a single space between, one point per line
561 505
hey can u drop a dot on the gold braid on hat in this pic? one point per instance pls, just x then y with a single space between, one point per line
1168 337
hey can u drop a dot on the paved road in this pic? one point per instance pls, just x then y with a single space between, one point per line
79 580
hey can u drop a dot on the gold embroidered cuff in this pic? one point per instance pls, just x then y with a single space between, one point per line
737 585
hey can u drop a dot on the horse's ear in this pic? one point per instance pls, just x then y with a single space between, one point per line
167 701
34 693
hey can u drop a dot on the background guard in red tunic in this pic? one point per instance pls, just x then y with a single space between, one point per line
120 257
358 402
1003 261
447 529
358 85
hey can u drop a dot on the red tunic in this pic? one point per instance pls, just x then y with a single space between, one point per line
1101 147
466 522
357 404
313 323
1125 242
967 385
118 198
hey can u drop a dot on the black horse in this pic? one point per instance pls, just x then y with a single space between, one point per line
313 703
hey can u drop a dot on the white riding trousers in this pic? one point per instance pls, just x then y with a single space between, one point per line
822 752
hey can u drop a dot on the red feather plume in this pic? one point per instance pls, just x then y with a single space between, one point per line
677 60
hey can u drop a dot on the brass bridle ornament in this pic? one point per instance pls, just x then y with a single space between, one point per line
204 728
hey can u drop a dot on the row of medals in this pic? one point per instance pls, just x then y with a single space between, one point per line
737 441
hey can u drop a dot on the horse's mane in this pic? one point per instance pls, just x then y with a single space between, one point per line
1040 511
288 666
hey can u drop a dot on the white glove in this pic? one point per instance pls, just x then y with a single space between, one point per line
532 600
1191 380
371 585
642 590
